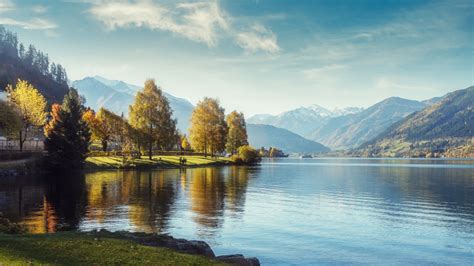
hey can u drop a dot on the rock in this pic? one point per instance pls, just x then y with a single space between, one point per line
239 259
202 248
193 247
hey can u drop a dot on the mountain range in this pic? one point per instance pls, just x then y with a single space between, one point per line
270 136
303 120
350 131
117 95
446 127
345 128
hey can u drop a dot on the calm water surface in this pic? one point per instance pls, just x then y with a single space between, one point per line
286 211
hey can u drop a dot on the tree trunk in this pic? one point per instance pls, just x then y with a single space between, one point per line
150 149
104 145
22 140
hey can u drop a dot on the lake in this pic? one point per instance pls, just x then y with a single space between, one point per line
284 211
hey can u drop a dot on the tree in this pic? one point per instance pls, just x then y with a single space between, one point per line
99 129
105 126
30 105
10 121
248 155
185 145
151 114
208 130
237 135
67 134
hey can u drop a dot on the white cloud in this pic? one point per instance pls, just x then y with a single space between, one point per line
39 9
199 21
6 5
203 22
32 24
259 38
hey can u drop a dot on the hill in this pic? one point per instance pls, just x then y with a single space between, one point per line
350 131
117 95
18 62
445 128
303 120
270 136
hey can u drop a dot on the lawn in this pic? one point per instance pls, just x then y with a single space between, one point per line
72 248
166 161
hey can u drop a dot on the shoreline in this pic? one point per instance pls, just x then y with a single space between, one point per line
158 162
36 164
121 247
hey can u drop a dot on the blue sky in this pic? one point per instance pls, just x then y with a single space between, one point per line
259 56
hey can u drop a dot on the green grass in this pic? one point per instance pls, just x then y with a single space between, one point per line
166 161
72 248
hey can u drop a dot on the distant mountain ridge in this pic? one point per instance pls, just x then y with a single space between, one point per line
289 142
117 95
444 127
303 120
350 131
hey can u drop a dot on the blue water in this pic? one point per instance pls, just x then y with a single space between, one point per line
285 211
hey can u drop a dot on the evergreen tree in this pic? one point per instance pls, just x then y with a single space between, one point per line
67 134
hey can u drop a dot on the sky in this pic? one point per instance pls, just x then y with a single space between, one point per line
259 56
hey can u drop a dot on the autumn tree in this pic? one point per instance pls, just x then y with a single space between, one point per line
208 132
30 105
247 155
237 135
185 145
67 134
151 114
100 130
10 121
105 126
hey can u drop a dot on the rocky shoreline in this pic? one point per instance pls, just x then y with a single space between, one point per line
192 247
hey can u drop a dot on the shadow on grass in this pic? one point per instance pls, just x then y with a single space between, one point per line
78 249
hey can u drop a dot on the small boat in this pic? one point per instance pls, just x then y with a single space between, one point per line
305 156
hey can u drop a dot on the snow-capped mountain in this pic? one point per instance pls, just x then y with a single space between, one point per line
302 120
117 95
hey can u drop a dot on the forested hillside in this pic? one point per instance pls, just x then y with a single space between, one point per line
445 128
29 63
350 131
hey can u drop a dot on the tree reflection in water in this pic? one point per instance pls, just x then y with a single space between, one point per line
144 201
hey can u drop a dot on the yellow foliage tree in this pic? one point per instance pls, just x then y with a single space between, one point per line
237 135
105 126
185 145
208 132
30 105
151 115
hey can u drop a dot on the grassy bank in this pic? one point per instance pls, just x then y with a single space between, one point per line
72 248
167 161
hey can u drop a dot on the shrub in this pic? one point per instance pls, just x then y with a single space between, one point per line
246 154
8 227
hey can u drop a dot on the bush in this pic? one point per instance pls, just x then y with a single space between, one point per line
8 227
246 154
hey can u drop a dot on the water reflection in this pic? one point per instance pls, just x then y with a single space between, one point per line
124 200
337 211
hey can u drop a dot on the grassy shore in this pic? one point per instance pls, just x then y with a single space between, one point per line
72 248
166 161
